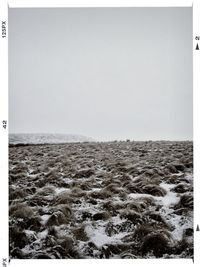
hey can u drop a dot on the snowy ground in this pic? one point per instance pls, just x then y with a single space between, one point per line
46 138
101 200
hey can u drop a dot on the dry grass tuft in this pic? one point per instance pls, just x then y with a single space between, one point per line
155 242
78 192
158 218
84 173
133 216
186 201
21 210
65 209
16 193
17 176
46 191
103 216
62 214
63 198
182 188
80 234
18 237
154 190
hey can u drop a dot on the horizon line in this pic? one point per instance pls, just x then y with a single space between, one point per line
110 140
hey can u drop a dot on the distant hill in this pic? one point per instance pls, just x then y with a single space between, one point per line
47 138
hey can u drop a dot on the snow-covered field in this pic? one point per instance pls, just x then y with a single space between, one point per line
46 138
101 200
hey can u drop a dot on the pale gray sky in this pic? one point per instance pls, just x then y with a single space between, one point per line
107 73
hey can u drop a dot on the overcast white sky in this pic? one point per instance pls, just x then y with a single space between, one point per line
107 73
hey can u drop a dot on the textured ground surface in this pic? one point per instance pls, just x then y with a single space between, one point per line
101 200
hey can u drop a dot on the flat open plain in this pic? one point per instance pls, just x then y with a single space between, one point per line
101 200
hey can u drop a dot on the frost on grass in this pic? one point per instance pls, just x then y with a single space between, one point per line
101 200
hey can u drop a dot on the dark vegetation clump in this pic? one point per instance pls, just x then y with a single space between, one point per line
18 237
186 201
63 198
21 210
80 234
84 173
182 188
154 190
155 242
16 193
61 214
101 216
132 216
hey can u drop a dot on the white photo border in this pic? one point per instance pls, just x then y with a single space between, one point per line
4 242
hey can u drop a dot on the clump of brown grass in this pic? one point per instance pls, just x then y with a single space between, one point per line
46 191
30 190
110 207
158 220
186 201
16 253
18 237
84 173
143 230
183 247
134 188
67 244
179 166
33 223
16 193
180 211
63 198
51 176
182 188
156 242
145 202
133 216
154 190
85 186
80 234
62 214
19 168
173 179
17 176
171 168
78 192
101 216
135 206
102 194
111 229
40 182
64 208
37 201
114 188
57 218
20 210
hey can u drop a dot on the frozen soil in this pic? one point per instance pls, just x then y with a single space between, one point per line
101 200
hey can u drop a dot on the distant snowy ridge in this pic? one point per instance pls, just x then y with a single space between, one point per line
47 138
